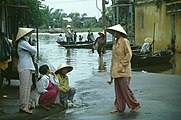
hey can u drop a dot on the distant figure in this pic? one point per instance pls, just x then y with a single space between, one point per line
60 38
89 36
72 35
92 37
68 34
80 38
146 47
100 44
75 37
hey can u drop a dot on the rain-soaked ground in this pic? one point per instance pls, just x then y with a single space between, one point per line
94 97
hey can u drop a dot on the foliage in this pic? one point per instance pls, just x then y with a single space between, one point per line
39 15
36 12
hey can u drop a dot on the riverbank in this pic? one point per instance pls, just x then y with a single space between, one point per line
159 95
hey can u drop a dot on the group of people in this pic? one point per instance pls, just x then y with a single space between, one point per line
48 89
49 85
90 37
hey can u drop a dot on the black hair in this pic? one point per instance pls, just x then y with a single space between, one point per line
43 69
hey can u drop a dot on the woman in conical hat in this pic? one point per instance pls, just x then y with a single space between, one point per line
23 32
146 47
100 43
25 67
65 91
120 70
62 66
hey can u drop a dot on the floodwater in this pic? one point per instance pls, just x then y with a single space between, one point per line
86 63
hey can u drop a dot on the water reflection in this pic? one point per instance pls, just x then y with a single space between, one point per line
86 63
102 65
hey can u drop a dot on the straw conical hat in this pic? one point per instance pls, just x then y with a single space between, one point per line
22 32
68 26
116 28
148 39
101 33
61 66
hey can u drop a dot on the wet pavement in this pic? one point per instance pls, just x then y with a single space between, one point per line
159 94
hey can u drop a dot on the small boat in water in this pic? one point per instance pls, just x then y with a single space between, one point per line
73 43
140 59
89 45
86 45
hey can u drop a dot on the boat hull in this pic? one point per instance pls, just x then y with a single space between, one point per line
139 59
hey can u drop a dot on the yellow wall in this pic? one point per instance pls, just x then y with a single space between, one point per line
163 27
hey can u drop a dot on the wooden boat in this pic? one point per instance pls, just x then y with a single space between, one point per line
73 43
139 59
86 45
89 45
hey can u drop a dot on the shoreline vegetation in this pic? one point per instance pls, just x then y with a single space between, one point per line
60 30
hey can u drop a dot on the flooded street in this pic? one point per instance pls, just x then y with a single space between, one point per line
87 69
94 98
86 63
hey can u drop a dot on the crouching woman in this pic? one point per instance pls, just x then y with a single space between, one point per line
65 91
48 91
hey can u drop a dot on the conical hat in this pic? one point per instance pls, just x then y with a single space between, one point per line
101 33
22 32
68 26
148 39
61 66
117 28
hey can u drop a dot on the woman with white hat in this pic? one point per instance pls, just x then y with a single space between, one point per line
65 91
25 67
146 47
120 70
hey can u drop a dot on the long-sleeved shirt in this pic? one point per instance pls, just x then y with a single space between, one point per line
63 83
121 59
25 53
42 84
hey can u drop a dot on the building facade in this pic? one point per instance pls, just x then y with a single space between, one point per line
160 20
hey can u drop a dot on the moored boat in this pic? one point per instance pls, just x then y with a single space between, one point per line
72 42
140 59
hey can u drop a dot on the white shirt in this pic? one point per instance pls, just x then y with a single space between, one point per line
25 53
145 47
42 84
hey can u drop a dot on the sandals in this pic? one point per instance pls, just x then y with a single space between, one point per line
116 111
46 108
134 109
27 111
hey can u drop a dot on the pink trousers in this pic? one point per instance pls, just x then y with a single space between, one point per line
48 98
123 94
